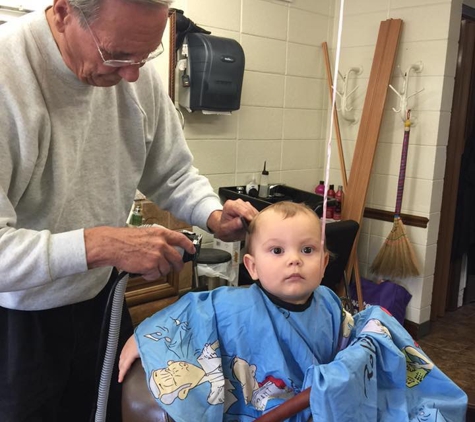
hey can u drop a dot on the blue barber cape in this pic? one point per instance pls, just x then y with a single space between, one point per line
231 354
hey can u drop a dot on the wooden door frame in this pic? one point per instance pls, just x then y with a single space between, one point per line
455 148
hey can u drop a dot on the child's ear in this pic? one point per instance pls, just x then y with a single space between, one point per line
250 263
326 260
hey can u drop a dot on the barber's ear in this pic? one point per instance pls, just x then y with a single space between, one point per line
250 263
63 13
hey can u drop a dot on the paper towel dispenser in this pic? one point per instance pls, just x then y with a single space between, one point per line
212 76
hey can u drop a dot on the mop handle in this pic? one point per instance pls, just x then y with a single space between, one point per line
402 168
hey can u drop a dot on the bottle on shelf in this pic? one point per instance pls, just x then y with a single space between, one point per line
252 188
264 183
330 207
136 218
338 205
320 189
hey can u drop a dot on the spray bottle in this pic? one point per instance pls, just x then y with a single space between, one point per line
264 183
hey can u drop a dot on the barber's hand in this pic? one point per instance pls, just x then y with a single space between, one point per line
129 354
148 251
227 224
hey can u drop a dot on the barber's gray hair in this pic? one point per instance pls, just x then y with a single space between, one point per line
90 8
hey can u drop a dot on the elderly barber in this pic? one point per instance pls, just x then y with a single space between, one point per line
79 133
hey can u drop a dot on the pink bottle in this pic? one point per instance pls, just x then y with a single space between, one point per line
320 189
330 195
339 199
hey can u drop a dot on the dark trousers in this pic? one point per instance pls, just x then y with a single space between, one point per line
50 362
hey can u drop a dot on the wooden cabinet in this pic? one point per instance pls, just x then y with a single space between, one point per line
146 297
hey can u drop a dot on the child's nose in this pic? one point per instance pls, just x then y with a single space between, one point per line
295 259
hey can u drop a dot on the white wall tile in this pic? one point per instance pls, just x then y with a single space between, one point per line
420 161
212 157
418 194
420 289
245 178
415 3
359 7
219 32
413 314
363 247
417 26
302 124
304 93
264 19
436 200
263 89
298 155
219 180
324 7
260 123
433 228
217 13
431 53
428 127
264 54
307 28
252 154
417 235
352 34
200 126
301 179
355 57
306 61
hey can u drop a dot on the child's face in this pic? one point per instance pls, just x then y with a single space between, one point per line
287 256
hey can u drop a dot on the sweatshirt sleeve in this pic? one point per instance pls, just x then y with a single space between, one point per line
32 258
169 178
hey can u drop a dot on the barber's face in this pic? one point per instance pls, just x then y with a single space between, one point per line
123 31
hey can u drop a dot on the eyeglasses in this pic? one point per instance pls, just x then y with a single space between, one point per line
121 63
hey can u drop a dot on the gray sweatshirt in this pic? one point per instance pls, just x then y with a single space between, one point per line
72 157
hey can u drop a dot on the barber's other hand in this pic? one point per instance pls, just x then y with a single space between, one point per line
148 251
227 225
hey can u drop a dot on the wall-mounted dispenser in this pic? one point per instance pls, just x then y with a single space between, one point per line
211 74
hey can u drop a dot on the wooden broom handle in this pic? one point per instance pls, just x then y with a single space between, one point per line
354 263
288 408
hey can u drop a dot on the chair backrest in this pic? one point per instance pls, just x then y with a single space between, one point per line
340 237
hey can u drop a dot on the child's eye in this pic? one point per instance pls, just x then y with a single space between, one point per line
307 249
277 250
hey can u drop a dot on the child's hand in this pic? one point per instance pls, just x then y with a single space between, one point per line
129 353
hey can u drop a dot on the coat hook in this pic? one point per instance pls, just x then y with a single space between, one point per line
345 95
402 95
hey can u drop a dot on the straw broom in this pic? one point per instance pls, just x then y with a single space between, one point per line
396 259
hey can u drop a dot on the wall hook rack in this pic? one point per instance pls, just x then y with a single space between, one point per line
403 108
345 95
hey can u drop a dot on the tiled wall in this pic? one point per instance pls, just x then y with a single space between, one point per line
430 36
284 110
282 115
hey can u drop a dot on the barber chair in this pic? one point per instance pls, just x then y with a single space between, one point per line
138 405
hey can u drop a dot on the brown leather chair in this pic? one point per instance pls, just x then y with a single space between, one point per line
138 404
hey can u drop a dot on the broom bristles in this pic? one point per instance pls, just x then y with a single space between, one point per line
396 259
